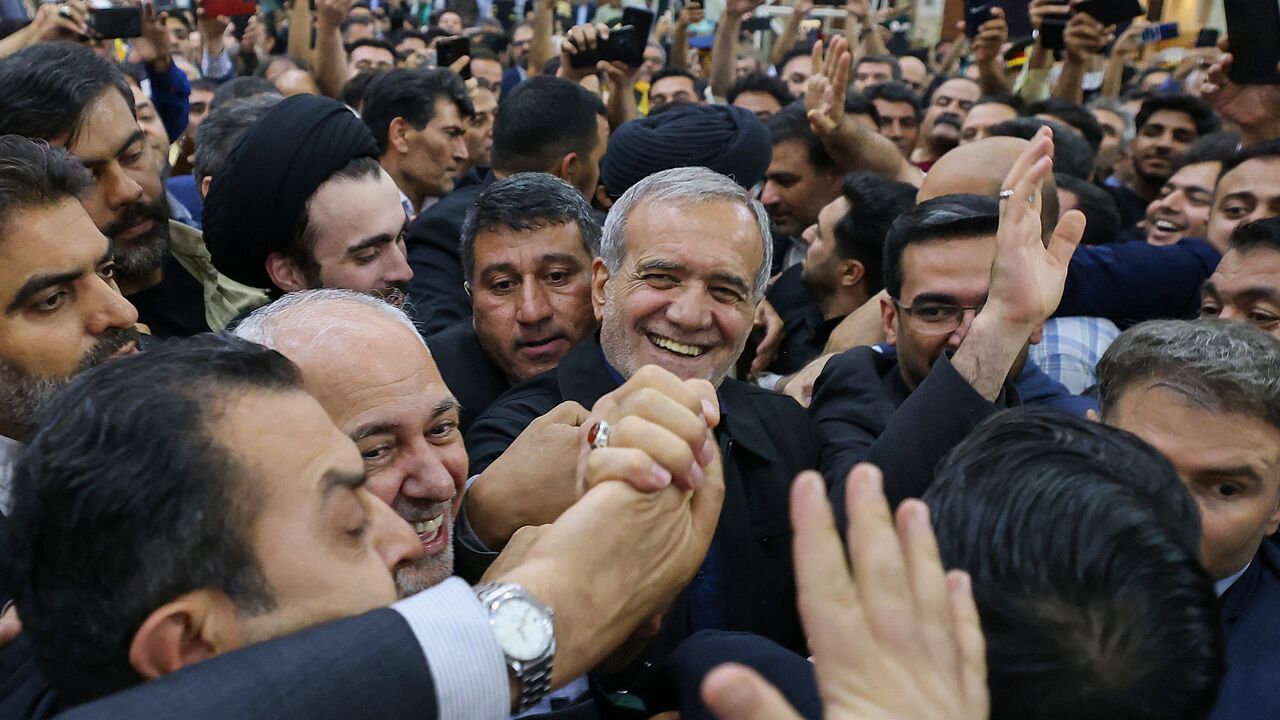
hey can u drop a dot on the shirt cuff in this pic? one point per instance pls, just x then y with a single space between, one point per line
467 665
217 66
463 533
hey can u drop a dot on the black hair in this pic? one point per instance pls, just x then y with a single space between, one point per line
1010 101
874 203
1083 548
857 104
540 121
124 500
369 42
400 36
1072 114
1098 206
483 53
1072 154
895 92
352 21
949 217
411 94
760 83
34 174
1205 119
528 201
1265 149
891 61
241 87
1257 234
791 124
222 129
353 92
673 72
203 84
800 50
46 89
1217 147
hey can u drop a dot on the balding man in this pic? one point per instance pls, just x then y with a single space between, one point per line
970 281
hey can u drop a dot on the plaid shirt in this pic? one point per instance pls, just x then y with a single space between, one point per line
1071 349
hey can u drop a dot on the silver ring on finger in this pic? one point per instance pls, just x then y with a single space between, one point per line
598 435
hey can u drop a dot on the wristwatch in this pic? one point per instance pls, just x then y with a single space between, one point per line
523 628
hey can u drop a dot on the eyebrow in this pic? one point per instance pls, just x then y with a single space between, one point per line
659 265
1235 472
374 428
376 240
129 141
337 478
729 279
936 298
38 283
506 267
1257 292
445 406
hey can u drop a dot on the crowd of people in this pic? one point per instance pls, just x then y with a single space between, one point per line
379 358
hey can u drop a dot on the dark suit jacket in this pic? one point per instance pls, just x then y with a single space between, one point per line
766 439
865 413
474 379
1251 629
436 292
704 651
368 666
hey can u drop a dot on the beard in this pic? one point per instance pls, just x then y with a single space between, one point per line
425 572
22 394
139 257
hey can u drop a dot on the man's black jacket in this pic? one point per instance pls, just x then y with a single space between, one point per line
436 292
474 379
766 439
864 412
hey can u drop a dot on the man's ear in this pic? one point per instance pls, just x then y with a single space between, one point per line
285 273
600 278
851 272
567 168
397 133
191 629
888 319
205 182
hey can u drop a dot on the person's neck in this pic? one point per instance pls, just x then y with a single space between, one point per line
134 285
1146 188
841 302
416 197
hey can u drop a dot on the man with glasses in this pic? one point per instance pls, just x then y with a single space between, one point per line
970 283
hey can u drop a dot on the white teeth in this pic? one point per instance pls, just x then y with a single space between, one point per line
1167 226
676 347
429 527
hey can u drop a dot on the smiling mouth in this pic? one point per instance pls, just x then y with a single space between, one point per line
430 532
1168 226
677 348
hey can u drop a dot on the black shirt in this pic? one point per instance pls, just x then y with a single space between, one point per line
175 306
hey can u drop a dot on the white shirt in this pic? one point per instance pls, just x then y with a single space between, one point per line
1222 585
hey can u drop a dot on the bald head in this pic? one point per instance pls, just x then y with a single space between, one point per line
980 168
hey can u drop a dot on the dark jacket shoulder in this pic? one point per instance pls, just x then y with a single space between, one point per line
473 378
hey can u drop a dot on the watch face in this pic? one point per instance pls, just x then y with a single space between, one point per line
523 630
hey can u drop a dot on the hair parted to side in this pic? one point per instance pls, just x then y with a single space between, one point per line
681 187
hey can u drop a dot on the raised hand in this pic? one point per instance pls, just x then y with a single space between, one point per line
893 638
1255 108
331 13
1027 277
991 37
1085 36
828 83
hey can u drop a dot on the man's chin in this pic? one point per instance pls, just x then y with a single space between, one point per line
424 573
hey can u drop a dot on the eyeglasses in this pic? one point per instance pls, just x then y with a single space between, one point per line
937 318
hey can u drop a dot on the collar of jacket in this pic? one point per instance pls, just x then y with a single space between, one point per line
584 378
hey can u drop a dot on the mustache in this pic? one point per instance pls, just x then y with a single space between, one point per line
133 213
108 343
413 510
949 119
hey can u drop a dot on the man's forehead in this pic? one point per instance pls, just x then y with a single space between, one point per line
107 124
1256 172
42 241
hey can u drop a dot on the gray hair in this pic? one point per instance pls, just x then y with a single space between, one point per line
1216 365
1116 107
312 307
221 130
681 187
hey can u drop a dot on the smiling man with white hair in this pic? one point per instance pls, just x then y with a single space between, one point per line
366 364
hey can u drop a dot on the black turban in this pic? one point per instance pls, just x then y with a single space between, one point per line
255 200
724 138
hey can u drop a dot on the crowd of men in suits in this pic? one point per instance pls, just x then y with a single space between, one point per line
851 384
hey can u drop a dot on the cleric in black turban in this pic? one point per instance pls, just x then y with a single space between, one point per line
724 138
256 200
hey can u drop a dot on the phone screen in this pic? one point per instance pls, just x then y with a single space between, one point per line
1252 28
